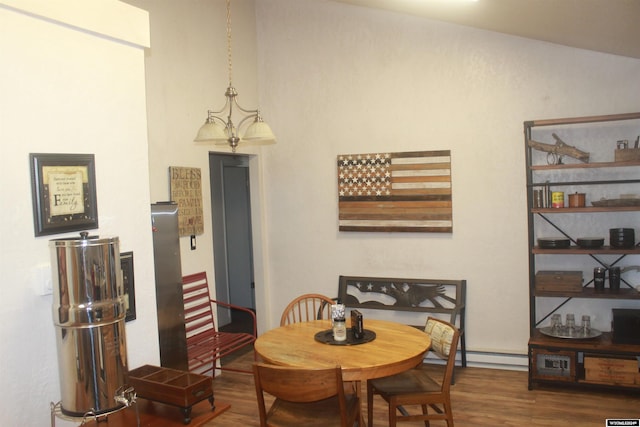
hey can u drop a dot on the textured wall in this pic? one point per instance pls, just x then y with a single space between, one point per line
338 79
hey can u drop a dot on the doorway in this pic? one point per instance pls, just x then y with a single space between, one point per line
232 237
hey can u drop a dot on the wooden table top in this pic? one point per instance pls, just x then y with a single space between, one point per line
395 349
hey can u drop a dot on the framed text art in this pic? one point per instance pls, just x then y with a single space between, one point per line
63 188
186 191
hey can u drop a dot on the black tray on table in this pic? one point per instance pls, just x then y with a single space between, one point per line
326 337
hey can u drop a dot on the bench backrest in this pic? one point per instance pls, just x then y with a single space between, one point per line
430 296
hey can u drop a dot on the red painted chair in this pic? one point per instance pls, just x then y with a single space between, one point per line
206 345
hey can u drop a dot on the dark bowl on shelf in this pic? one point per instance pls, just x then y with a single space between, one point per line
553 243
622 237
590 242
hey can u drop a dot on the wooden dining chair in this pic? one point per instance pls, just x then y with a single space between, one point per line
307 307
304 397
417 386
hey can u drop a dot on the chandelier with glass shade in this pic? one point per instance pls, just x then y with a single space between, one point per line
219 127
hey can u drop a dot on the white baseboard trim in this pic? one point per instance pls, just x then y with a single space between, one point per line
490 360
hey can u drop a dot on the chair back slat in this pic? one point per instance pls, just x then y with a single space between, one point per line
441 336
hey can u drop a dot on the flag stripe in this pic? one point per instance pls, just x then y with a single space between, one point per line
406 210
433 202
406 226
444 196
432 215
440 153
420 172
416 193
396 223
419 160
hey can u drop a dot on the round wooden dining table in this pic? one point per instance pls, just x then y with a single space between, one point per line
396 348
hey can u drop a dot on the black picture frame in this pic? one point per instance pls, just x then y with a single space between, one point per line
63 188
128 282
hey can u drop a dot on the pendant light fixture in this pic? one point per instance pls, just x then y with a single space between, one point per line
219 129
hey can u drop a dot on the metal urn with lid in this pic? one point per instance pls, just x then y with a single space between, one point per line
89 317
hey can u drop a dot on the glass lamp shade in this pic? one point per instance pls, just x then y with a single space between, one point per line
211 131
259 131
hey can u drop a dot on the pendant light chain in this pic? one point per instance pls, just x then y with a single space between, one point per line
229 40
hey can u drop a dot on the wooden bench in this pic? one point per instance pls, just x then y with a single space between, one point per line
206 345
404 296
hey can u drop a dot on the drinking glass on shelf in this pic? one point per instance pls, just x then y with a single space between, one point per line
586 324
570 322
556 323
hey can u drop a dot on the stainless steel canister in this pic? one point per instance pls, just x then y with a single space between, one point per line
89 315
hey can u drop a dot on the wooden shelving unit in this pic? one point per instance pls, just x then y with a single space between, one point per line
584 363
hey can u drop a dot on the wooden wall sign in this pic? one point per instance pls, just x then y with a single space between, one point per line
186 191
395 192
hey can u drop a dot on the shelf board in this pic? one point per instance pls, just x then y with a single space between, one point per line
586 165
623 293
589 209
602 343
584 119
575 250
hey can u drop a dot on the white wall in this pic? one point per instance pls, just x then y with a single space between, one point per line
338 79
187 74
72 81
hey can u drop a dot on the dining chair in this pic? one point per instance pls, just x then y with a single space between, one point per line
304 397
418 386
307 307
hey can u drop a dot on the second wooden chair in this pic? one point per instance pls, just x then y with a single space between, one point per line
307 307
417 386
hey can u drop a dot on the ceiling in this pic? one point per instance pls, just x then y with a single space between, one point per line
609 26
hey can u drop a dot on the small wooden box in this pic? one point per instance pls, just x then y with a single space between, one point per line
611 378
610 370
627 155
559 281
611 364
171 386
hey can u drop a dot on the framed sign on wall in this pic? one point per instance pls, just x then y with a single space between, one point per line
64 192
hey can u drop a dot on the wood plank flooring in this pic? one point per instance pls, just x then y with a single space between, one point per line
481 398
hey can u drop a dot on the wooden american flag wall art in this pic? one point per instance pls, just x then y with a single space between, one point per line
395 192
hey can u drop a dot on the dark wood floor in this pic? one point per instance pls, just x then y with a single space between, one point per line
481 398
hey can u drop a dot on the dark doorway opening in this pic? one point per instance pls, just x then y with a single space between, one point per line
232 237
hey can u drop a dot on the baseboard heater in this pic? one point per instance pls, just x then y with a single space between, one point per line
492 360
